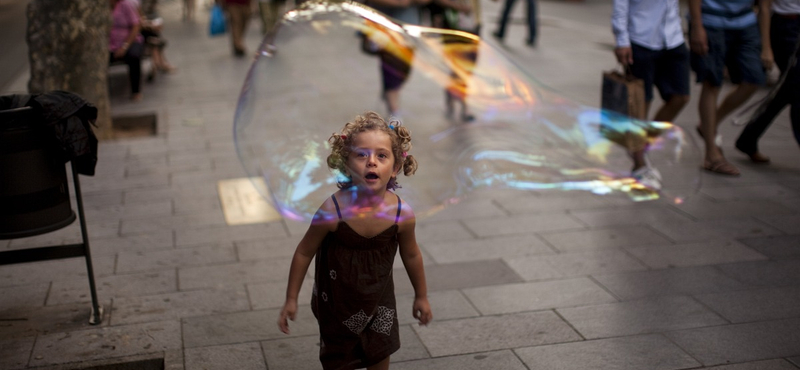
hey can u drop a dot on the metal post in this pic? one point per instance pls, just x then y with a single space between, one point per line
97 310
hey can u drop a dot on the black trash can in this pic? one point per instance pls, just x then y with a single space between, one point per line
34 195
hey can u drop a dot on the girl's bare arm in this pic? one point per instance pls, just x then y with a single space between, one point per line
412 260
300 261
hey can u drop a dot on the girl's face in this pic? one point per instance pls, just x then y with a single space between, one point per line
371 162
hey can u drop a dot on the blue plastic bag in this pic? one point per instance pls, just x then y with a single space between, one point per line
217 24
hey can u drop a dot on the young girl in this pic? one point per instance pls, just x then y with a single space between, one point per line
355 235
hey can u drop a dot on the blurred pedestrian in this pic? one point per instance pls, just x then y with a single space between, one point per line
270 12
725 33
500 33
188 10
650 44
396 67
239 14
125 42
784 35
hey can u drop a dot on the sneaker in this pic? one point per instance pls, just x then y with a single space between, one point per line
648 176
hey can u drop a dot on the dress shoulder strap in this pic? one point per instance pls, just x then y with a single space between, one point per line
336 203
399 205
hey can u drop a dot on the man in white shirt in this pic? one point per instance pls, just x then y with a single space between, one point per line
650 44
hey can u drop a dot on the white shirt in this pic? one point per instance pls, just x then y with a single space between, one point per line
786 6
654 24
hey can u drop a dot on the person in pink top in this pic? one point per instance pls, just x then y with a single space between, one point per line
125 42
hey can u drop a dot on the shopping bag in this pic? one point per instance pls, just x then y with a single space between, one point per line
623 93
217 23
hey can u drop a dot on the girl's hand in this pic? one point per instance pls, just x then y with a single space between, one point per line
422 310
289 311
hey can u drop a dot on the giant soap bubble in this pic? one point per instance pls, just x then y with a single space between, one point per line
311 76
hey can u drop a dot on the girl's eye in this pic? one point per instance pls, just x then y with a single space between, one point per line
362 154
383 156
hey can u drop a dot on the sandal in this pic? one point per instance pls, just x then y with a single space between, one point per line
721 166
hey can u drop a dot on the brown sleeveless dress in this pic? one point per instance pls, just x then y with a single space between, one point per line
353 298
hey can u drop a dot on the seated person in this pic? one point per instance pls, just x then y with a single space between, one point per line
125 42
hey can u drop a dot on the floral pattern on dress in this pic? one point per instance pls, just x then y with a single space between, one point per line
384 320
358 322
333 274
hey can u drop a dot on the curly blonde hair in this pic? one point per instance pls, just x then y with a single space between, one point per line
342 143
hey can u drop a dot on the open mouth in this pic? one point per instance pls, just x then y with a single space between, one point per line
371 176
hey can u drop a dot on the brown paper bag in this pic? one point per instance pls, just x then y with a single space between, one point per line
623 94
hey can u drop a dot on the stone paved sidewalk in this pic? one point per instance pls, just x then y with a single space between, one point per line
555 281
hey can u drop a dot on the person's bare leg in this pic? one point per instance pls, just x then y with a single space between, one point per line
383 365
392 101
708 120
671 108
734 100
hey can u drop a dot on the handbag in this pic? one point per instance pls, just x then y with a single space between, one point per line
217 23
623 93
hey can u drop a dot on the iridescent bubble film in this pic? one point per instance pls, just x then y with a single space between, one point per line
312 76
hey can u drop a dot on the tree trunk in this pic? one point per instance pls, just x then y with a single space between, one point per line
68 50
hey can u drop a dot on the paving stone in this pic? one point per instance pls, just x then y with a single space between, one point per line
128 183
428 232
14 353
776 246
521 224
47 271
755 304
181 257
300 353
233 274
786 223
184 222
547 204
688 280
764 273
703 208
779 364
628 216
458 275
411 348
478 249
32 295
694 254
584 240
634 353
105 342
573 264
128 310
28 321
446 305
795 361
129 211
653 315
244 356
273 294
246 326
682 231
101 198
505 360
537 296
166 193
471 208
156 240
216 234
248 250
488 333
740 343
114 286
750 192
203 204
